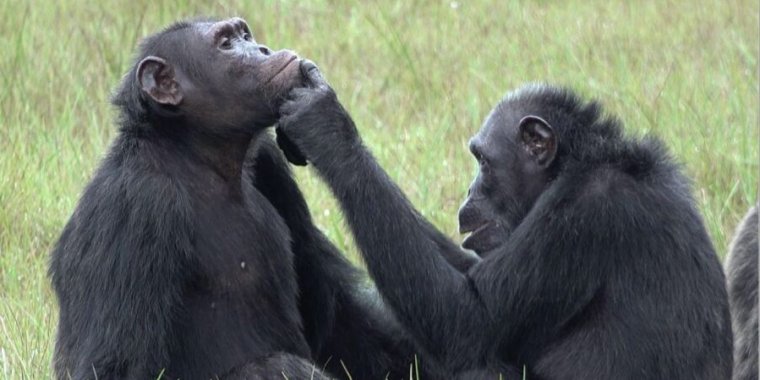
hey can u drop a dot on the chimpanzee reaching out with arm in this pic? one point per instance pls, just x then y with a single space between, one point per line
188 249
595 262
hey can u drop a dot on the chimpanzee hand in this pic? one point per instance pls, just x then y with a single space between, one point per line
292 153
313 124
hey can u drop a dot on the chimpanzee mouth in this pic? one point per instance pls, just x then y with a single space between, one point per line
281 69
473 234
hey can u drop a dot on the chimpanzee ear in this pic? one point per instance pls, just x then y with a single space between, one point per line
539 139
157 79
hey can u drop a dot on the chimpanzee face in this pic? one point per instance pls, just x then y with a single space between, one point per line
514 149
217 76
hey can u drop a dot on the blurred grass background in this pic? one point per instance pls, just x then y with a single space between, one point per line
418 77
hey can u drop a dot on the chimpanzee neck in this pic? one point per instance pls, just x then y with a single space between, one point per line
224 154
221 151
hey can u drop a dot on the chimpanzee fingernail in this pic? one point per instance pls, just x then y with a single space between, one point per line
306 66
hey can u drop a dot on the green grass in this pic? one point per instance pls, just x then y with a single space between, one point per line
418 79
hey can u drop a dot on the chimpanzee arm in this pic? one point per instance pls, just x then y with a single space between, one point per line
456 257
437 303
554 263
459 259
340 310
118 270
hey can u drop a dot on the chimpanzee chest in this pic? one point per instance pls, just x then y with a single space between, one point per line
244 250
243 289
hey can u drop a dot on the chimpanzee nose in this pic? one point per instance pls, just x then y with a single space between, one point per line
264 50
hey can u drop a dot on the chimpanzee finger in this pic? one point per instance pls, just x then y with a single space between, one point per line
312 74
291 151
294 100
298 93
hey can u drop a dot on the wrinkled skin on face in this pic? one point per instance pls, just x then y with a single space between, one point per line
513 149
221 78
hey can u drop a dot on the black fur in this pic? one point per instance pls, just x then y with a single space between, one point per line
609 274
188 250
276 366
347 326
741 273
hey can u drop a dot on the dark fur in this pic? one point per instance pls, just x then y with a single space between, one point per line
609 275
159 269
345 322
741 272
277 366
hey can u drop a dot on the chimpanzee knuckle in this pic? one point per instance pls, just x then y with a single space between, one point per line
287 109
291 98
293 123
325 100
297 94
328 93
292 112
303 92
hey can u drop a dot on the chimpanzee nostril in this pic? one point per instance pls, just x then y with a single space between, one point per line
264 50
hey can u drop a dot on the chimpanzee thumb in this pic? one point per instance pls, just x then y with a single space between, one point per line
312 74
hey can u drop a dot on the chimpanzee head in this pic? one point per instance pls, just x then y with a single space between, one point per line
209 74
519 150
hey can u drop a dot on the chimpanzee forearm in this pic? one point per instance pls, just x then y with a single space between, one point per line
435 301
340 311
513 281
404 256
456 257
359 319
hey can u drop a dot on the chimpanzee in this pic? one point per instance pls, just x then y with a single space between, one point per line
593 260
741 273
187 252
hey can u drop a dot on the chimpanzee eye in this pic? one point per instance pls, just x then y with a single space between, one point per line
226 43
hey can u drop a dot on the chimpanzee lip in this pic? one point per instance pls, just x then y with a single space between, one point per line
473 235
281 69
474 229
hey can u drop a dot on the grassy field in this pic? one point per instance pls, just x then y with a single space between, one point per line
418 79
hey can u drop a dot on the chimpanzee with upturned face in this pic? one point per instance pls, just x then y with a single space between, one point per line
188 250
593 263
